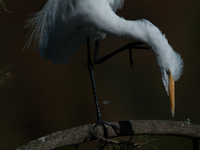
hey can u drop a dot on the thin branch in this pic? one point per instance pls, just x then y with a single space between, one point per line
76 135
3 5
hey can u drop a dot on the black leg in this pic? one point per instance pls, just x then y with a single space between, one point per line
129 46
91 72
100 122
130 57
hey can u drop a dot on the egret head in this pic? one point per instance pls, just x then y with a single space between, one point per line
171 66
169 61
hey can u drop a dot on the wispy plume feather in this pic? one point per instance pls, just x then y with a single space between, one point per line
39 23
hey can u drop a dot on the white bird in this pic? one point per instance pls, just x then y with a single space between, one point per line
64 25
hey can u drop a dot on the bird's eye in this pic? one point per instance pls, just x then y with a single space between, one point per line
168 72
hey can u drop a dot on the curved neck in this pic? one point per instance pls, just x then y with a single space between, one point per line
146 32
142 30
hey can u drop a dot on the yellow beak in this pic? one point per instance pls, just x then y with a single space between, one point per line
171 89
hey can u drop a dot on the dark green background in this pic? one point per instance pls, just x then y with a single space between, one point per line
41 99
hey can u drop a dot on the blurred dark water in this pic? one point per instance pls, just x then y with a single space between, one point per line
41 99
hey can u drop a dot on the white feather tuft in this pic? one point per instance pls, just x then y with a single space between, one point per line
40 21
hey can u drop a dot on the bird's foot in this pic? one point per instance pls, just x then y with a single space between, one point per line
134 45
103 124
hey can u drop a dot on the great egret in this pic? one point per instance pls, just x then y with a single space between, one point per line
63 25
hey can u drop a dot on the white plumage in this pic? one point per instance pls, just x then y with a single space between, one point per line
63 25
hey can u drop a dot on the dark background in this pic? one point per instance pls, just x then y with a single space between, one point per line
41 99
